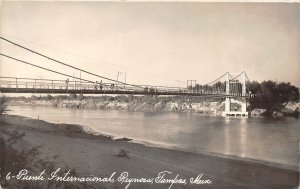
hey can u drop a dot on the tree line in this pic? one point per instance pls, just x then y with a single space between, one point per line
270 94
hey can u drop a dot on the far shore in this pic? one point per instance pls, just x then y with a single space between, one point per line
142 103
153 104
69 146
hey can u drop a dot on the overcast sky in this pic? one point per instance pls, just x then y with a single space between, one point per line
155 43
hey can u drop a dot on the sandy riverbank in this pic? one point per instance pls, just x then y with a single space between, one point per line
68 147
141 103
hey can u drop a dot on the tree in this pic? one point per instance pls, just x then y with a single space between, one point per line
255 87
270 94
219 85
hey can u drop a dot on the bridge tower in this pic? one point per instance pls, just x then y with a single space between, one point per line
235 88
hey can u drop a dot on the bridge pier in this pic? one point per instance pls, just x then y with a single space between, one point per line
231 84
231 113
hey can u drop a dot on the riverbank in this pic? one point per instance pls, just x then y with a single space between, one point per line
63 146
128 102
152 104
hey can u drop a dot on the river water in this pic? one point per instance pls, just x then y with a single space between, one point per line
271 140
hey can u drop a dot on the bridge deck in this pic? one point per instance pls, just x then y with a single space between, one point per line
83 91
28 85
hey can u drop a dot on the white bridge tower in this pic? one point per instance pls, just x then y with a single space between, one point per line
236 88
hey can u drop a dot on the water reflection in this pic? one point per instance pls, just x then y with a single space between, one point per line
227 141
243 139
227 120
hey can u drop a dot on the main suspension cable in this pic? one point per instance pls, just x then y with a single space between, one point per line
65 64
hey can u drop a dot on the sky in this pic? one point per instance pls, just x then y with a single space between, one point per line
157 43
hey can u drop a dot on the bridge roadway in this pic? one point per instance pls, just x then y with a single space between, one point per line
84 91
25 85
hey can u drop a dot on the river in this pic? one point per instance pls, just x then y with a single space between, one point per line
264 139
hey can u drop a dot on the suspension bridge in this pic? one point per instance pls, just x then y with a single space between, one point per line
229 85
229 88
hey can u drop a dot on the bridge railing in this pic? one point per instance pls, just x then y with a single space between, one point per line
11 82
29 83
80 86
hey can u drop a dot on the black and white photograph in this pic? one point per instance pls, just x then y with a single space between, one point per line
149 94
